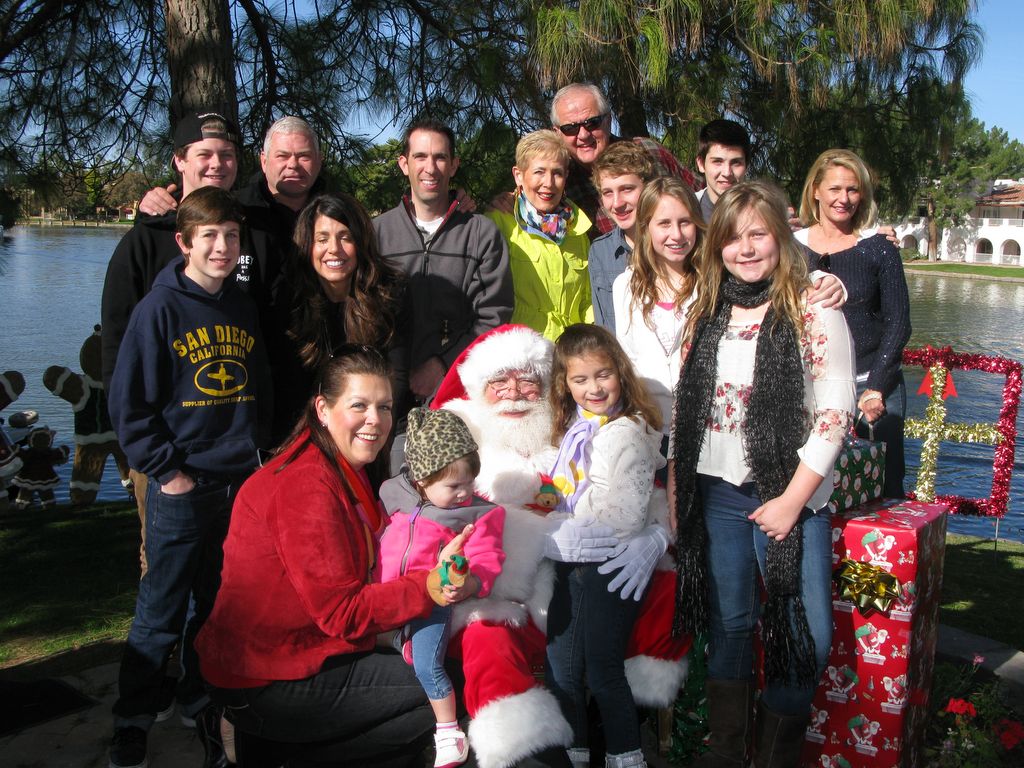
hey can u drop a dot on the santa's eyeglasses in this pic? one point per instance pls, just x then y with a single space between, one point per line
504 386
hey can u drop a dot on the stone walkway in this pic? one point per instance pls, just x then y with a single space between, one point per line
81 740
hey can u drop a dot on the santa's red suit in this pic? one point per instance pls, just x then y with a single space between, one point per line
501 638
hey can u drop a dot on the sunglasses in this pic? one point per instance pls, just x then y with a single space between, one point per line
591 123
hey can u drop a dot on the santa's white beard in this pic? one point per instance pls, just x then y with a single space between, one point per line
513 451
528 434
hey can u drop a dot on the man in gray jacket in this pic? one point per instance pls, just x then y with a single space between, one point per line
456 262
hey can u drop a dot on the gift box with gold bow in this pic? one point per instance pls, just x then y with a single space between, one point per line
871 705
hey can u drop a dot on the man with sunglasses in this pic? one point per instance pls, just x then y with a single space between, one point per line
582 116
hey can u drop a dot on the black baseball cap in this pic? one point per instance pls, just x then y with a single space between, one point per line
196 126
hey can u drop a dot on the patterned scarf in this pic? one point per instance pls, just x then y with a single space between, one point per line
571 473
774 431
370 511
553 226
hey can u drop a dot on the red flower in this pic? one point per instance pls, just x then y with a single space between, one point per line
961 707
1010 732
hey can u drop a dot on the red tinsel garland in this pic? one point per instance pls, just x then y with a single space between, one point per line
1002 465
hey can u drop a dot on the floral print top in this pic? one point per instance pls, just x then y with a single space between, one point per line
829 369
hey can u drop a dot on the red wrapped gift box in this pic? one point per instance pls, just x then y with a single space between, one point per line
872 703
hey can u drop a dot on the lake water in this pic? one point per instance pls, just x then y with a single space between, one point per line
51 278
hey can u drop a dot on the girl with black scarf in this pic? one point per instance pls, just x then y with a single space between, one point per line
763 402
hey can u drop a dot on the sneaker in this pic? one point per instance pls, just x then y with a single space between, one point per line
128 748
452 748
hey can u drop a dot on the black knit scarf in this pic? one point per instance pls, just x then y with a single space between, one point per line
775 429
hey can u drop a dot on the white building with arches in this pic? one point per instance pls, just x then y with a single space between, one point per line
992 233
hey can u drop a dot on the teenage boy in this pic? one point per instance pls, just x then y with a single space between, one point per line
205 155
723 155
188 395
620 174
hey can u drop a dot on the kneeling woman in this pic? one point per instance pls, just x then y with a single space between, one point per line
289 646
762 405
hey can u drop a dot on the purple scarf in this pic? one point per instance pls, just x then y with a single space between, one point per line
571 473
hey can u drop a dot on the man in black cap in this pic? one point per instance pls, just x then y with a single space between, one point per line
205 154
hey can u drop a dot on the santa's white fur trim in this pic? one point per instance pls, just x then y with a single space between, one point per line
507 730
543 590
656 682
525 584
516 349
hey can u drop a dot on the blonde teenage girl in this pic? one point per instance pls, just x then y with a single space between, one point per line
763 401
651 296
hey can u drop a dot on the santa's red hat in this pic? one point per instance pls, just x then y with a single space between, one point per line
503 349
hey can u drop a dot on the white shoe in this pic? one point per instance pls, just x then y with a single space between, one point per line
452 748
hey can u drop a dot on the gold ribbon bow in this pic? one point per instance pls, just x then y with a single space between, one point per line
870 587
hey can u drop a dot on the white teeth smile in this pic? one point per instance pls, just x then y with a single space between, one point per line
367 438
335 263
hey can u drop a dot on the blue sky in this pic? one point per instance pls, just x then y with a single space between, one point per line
996 85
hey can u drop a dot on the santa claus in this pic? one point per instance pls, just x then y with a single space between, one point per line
499 387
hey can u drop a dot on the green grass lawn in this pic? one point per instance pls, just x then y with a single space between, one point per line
70 579
981 588
985 270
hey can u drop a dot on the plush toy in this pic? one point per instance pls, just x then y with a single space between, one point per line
546 498
12 384
37 461
94 434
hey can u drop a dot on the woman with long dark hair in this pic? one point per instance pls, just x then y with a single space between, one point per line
335 289
290 645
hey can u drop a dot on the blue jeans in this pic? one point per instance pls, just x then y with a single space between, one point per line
184 548
588 630
429 645
736 557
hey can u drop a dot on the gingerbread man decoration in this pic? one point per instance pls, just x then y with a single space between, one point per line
94 434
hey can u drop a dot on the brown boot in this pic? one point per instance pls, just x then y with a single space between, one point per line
780 739
731 719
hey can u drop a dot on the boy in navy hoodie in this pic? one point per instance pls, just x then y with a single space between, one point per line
188 396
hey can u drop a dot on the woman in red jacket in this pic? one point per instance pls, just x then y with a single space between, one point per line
290 644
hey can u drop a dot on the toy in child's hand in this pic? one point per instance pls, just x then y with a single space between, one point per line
36 475
546 498
94 434
452 572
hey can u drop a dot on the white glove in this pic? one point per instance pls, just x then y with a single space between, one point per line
637 562
580 541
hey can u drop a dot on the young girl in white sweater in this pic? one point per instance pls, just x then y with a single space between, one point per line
609 430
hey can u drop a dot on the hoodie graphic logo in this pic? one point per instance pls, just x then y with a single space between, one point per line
221 378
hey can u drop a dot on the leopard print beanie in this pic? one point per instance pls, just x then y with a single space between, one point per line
433 440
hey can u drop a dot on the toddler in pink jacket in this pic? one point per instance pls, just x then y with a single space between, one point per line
430 502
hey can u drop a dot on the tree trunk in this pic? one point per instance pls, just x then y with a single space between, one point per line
933 232
629 107
200 58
